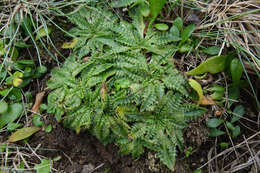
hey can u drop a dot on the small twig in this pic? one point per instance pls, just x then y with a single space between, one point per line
251 153
102 164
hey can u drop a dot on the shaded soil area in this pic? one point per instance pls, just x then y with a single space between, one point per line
83 153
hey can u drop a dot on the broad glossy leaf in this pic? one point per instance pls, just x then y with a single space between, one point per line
236 70
213 50
212 65
44 166
215 132
155 6
3 107
161 26
214 122
197 87
42 33
178 23
238 112
186 33
14 111
23 133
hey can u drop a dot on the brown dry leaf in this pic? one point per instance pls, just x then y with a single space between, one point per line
38 101
219 112
85 59
207 100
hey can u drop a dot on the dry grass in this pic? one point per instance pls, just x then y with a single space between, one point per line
244 157
16 158
239 20
9 9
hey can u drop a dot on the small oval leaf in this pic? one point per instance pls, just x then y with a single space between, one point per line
223 144
41 69
23 133
48 128
37 121
161 26
178 23
174 31
238 112
214 122
44 166
236 70
230 126
235 131
215 132
213 50
18 74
